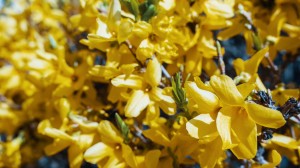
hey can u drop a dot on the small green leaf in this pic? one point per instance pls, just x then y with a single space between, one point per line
150 12
123 128
133 7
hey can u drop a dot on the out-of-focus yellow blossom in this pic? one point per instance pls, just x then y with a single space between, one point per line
284 145
281 95
93 77
10 152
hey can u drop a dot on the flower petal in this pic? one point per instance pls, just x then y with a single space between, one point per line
109 132
245 89
132 81
274 159
224 122
251 65
75 156
284 141
202 127
208 101
97 152
152 158
128 156
137 103
211 154
245 129
153 72
265 116
226 90
157 135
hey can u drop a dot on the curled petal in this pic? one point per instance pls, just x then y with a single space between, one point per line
226 90
265 116
207 101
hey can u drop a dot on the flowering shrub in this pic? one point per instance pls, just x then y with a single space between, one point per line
148 83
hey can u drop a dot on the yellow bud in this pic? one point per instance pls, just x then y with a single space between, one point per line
153 72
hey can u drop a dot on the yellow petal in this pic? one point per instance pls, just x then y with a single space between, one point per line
75 156
284 141
193 62
105 72
152 158
46 129
63 107
274 158
226 90
153 72
152 113
202 127
157 135
124 30
232 30
211 154
245 129
84 124
109 132
137 103
265 116
287 43
245 89
165 102
217 9
114 15
224 124
251 65
145 50
102 33
132 81
128 155
127 69
97 152
57 146
115 94
142 29
208 101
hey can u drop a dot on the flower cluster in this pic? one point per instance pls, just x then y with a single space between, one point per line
148 83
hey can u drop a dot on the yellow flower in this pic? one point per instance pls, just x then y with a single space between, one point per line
235 121
112 146
77 143
145 90
280 95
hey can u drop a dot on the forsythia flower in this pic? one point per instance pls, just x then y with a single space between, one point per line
149 83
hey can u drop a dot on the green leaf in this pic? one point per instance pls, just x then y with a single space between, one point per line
150 12
123 128
133 7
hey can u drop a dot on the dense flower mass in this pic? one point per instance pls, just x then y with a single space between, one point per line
149 83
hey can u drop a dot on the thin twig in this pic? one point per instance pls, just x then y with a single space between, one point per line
165 73
131 49
221 63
